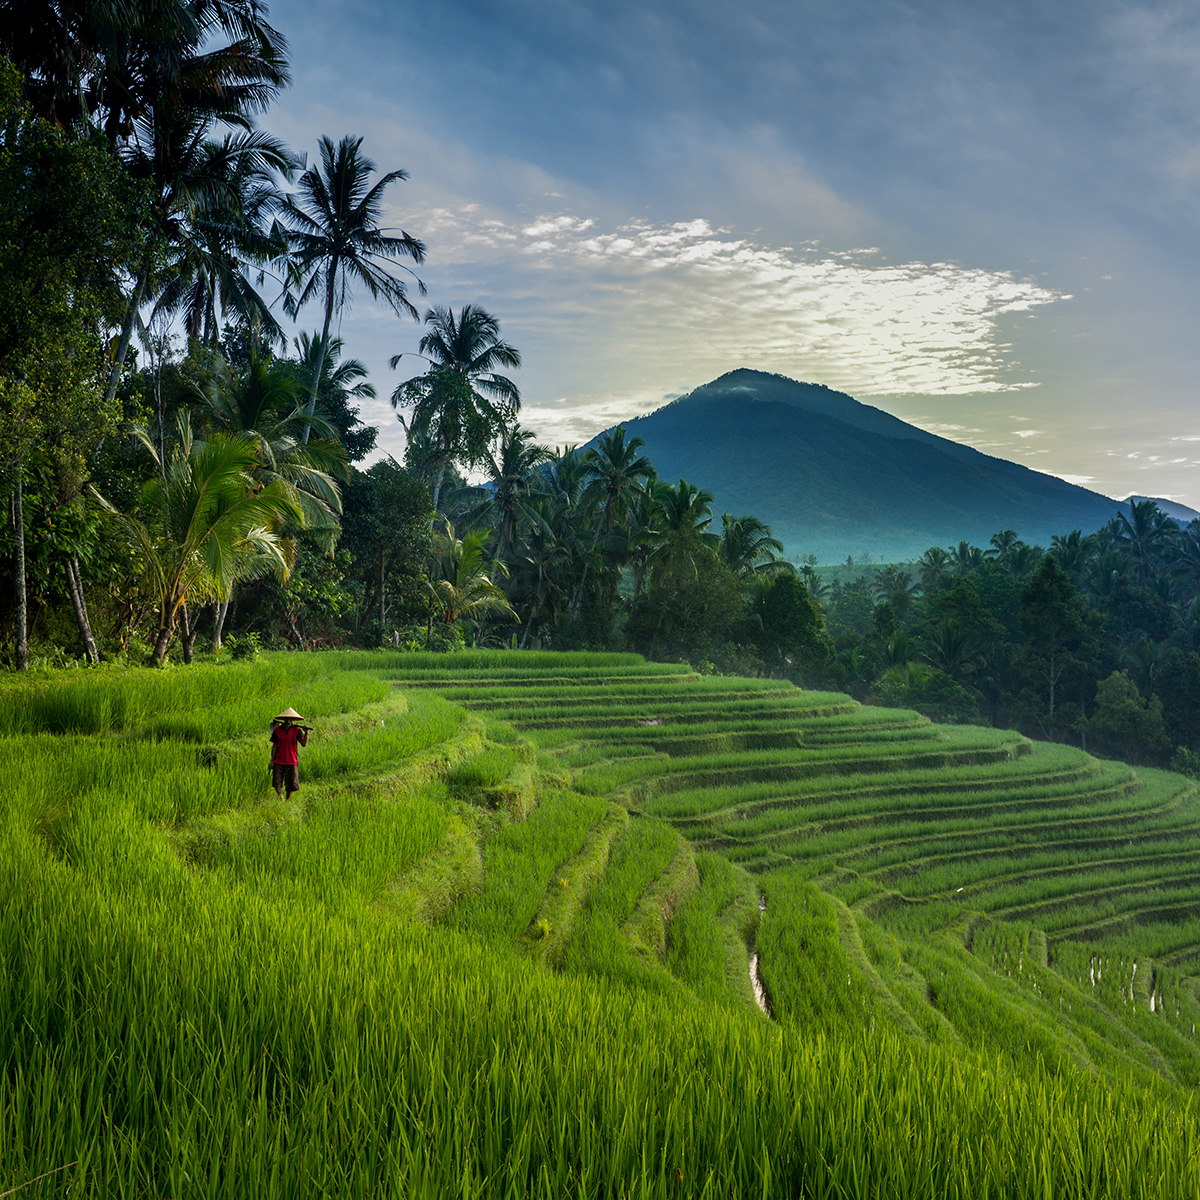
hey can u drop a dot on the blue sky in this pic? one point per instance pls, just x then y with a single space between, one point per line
982 218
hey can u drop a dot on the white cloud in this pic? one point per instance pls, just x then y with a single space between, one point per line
645 308
1026 433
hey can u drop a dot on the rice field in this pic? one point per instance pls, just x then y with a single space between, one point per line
888 852
499 944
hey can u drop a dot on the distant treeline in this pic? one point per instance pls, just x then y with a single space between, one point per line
1093 640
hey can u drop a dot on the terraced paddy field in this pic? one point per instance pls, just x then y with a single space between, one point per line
551 925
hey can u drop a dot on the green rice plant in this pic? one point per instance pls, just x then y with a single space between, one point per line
597 945
350 845
329 695
270 1028
520 861
485 770
806 971
115 699
404 661
427 721
701 947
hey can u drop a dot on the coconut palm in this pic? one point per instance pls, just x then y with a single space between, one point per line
160 88
512 468
952 650
340 382
107 63
616 470
330 375
933 566
747 548
1144 534
1072 553
682 516
966 558
1002 544
333 224
230 229
1022 560
1187 557
895 586
267 404
204 522
543 561
463 586
461 403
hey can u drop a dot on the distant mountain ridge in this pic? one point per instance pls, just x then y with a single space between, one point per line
836 477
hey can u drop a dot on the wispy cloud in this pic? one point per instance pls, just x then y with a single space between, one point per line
678 303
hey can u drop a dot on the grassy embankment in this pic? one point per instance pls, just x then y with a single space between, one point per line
497 945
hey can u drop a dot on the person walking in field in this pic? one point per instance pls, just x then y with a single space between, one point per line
287 736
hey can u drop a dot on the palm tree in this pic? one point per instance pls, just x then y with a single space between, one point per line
228 230
543 561
512 469
205 523
463 587
952 650
1022 560
336 239
461 403
157 88
337 383
933 565
1072 552
1145 533
1002 544
681 517
966 558
267 405
747 548
616 470
895 585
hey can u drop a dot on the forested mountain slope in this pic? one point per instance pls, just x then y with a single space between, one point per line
835 477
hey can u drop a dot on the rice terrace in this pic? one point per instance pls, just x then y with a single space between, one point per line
507 941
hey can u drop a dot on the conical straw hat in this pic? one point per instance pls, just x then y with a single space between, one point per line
289 714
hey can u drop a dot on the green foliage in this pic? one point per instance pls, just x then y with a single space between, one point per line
244 646
793 637
483 771
1125 723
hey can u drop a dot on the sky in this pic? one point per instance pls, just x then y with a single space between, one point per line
982 218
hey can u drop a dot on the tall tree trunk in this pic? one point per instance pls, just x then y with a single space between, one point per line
222 611
135 303
437 484
79 604
22 654
382 595
188 638
322 350
161 642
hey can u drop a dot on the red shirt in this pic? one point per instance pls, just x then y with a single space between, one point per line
286 739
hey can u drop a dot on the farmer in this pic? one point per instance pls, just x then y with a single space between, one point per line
286 735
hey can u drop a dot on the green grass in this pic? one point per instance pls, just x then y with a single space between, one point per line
384 988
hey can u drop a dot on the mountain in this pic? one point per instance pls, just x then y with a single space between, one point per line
1178 512
835 477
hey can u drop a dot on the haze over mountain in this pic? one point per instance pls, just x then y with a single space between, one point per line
836 477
